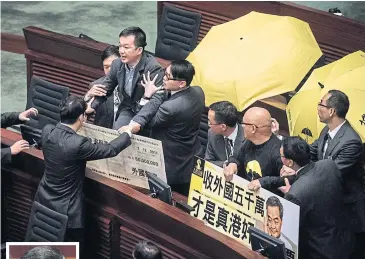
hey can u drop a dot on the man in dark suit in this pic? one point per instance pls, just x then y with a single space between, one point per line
174 120
225 135
105 113
339 142
323 231
13 118
65 156
126 74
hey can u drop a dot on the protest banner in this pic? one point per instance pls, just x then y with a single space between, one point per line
230 207
130 166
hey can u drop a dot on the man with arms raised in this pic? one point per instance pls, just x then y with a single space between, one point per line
106 112
126 74
174 118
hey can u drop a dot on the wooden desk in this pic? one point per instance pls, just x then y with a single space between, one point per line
117 215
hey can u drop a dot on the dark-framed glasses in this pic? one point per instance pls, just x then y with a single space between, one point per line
325 106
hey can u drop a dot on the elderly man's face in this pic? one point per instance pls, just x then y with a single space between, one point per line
274 221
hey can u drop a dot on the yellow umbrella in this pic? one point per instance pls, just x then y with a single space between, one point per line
346 75
253 57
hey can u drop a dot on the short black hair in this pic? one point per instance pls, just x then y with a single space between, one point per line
274 201
339 101
71 108
138 33
146 250
43 252
225 112
109 52
296 149
183 69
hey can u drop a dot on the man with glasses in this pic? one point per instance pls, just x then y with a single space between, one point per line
126 74
339 142
259 154
225 135
175 120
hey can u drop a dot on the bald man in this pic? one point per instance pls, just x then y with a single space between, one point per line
259 155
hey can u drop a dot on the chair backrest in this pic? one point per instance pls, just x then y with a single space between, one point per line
178 33
46 97
45 225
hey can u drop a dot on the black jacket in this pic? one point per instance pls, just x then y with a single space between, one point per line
323 231
346 151
176 124
65 156
116 77
104 114
8 119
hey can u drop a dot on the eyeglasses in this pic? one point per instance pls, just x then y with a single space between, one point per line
212 124
325 106
168 77
251 124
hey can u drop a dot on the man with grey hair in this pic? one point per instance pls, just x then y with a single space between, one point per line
43 252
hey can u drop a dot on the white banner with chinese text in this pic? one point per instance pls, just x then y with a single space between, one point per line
130 166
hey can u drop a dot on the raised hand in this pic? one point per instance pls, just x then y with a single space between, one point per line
286 188
149 85
24 116
96 90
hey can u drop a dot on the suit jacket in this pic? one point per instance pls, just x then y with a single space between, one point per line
176 123
65 156
116 77
346 151
323 231
216 149
8 119
104 114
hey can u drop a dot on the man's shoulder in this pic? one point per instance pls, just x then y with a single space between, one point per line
150 61
97 81
350 133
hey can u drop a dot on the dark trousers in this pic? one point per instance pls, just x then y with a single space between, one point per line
123 119
76 235
359 251
182 188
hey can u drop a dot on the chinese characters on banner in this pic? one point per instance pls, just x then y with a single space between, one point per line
130 166
230 207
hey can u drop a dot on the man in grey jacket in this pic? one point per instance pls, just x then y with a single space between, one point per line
126 74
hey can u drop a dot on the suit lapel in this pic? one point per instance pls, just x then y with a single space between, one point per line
334 142
321 143
305 169
239 138
137 72
121 76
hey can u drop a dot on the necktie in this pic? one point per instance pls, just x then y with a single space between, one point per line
229 146
327 140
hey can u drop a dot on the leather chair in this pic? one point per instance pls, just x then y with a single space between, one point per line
46 97
45 225
178 33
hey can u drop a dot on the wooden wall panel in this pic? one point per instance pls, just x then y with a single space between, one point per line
336 36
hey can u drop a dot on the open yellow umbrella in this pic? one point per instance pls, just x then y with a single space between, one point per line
346 75
253 57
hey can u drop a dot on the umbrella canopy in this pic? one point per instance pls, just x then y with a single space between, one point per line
346 75
253 57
